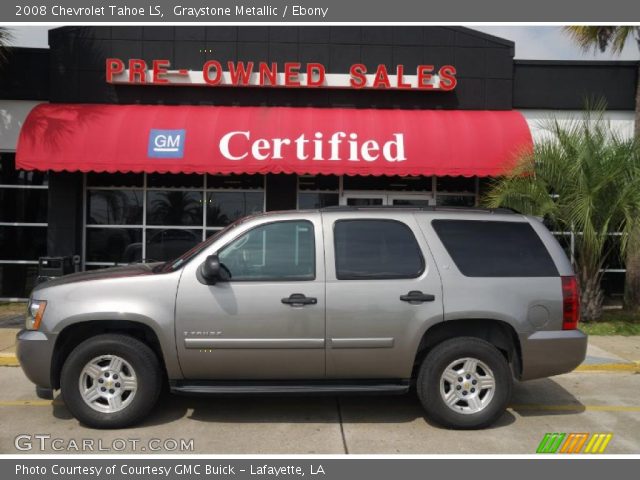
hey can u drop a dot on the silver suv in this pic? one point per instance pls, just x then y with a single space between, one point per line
332 301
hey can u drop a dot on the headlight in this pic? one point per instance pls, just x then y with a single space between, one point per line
35 312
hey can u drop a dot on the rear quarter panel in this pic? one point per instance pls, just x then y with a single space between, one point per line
528 304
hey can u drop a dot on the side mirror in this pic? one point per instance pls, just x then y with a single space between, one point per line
210 270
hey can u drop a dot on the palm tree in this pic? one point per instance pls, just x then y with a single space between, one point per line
614 38
582 177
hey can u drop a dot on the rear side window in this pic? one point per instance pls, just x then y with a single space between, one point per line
376 249
495 249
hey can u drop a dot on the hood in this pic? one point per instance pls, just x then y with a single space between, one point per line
133 270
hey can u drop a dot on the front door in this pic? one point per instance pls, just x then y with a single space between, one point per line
268 320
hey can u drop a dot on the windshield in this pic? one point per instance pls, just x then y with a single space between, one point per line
189 254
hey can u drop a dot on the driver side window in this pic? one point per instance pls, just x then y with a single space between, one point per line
279 251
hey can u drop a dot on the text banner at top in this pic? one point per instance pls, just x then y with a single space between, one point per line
317 11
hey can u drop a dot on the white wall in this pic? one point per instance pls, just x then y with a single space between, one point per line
622 121
12 116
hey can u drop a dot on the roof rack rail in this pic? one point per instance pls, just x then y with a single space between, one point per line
429 208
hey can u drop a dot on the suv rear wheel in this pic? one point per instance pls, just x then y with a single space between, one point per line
464 383
110 381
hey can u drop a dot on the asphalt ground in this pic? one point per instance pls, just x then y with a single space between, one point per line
601 397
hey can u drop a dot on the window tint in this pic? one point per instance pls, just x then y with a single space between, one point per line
276 251
376 249
495 249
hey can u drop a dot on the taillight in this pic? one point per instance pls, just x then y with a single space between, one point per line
570 303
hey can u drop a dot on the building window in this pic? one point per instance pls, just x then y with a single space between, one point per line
388 183
157 217
614 268
457 191
318 191
23 227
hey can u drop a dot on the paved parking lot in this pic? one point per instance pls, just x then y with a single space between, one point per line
577 402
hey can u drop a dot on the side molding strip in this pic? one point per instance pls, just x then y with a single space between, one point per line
253 343
362 342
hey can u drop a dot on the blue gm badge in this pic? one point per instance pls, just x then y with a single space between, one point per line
166 143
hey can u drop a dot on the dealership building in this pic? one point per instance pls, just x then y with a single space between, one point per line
122 144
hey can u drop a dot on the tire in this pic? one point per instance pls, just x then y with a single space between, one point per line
92 366
468 410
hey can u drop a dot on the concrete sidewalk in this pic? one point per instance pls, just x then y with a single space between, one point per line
8 340
600 352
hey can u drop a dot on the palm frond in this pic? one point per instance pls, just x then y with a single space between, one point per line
5 39
601 37
582 177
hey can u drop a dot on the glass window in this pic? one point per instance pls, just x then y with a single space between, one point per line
613 285
241 182
278 251
175 180
10 176
170 243
114 207
376 249
224 208
456 200
116 245
392 183
318 182
485 184
22 243
17 280
410 202
25 202
24 205
317 200
175 212
364 202
456 184
174 207
495 249
115 179
612 248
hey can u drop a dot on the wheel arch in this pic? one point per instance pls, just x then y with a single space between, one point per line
74 334
497 332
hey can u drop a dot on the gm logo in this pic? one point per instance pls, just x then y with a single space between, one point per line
166 144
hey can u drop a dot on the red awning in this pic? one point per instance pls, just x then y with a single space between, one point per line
209 139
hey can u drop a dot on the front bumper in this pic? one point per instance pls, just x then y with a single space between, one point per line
34 350
553 352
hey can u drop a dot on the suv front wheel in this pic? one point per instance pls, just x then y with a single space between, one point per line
464 383
110 381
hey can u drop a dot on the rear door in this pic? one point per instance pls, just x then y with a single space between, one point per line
383 291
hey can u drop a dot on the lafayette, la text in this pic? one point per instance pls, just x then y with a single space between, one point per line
266 470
